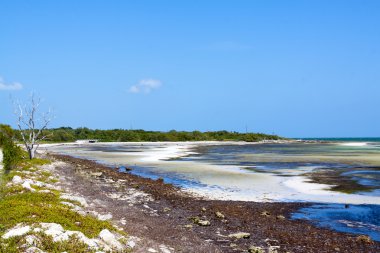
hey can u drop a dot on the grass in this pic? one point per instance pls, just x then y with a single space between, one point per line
46 244
18 205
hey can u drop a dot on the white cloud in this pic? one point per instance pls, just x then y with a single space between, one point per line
145 86
9 86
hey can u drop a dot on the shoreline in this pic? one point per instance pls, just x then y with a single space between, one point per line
215 181
268 223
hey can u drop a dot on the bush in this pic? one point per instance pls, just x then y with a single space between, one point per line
12 154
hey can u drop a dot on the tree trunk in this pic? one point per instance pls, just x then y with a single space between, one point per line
31 153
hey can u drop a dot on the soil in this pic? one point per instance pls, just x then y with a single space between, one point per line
160 213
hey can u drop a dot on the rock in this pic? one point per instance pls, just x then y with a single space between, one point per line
67 204
219 215
256 249
44 191
104 217
240 235
26 185
110 239
52 229
17 180
81 200
16 231
38 183
364 238
131 244
32 240
164 249
33 250
280 217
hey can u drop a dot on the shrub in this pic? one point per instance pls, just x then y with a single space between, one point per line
12 154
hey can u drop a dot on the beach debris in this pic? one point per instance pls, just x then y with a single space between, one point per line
240 235
203 209
188 226
364 238
152 250
198 221
256 249
96 174
204 223
167 209
280 217
219 215
265 213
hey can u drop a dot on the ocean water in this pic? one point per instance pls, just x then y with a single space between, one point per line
264 172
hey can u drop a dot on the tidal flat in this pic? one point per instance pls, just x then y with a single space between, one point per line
337 173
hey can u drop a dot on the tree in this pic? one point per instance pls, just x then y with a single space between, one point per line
32 124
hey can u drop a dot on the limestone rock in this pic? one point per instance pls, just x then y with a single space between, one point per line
16 231
17 180
26 185
32 240
81 200
110 239
52 229
104 217
33 250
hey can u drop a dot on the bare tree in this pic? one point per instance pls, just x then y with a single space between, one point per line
32 124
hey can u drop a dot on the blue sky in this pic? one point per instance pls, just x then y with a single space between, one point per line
294 68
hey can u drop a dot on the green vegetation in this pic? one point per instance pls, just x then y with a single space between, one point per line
31 207
12 154
67 134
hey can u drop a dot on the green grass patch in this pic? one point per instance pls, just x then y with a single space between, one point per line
32 207
46 244
18 205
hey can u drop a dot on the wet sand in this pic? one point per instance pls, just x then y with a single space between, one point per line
165 217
